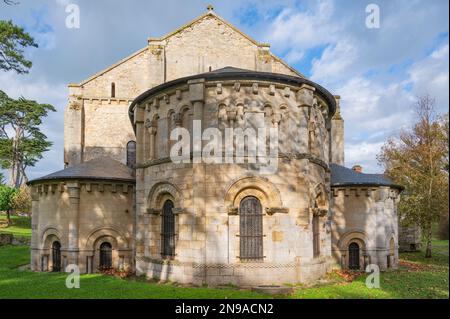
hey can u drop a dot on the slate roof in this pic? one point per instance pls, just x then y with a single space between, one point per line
343 176
103 168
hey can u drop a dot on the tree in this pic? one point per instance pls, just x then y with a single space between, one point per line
443 223
7 200
22 200
21 140
416 160
13 39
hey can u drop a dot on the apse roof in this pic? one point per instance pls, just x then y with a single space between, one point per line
343 176
103 168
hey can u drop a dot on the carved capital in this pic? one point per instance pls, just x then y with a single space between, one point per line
153 211
232 210
276 210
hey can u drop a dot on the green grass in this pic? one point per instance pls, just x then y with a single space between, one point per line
21 226
418 277
15 283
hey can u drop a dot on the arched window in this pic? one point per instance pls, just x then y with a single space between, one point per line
353 256
113 89
56 256
105 256
168 230
316 235
251 229
131 153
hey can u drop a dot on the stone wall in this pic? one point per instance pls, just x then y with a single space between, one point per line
409 237
81 215
96 123
207 196
368 217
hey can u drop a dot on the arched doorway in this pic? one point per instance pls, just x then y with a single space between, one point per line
56 256
168 230
105 256
353 256
251 229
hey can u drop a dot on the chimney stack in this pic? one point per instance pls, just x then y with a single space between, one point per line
357 168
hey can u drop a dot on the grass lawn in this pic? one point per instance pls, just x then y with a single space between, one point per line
21 226
417 278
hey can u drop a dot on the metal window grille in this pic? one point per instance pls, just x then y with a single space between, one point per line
105 256
56 256
251 230
316 236
168 230
353 256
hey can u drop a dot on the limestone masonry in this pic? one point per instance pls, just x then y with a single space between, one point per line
121 202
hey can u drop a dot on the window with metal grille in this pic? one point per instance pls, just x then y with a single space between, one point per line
105 256
353 256
168 230
131 153
251 230
56 256
316 235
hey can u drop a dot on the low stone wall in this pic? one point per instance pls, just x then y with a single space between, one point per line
9 239
6 239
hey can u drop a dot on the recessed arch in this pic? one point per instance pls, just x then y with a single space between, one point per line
350 236
259 187
49 235
98 235
161 192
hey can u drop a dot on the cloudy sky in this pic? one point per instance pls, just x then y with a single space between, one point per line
378 72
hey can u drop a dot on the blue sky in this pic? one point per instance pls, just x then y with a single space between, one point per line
377 72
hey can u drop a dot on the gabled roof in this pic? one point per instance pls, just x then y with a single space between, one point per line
102 168
209 13
343 176
212 13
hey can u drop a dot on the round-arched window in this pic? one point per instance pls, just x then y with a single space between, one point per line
168 230
251 229
105 256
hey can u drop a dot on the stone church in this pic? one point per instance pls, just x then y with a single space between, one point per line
122 202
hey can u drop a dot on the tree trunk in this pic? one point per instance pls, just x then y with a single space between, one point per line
428 238
8 217
16 162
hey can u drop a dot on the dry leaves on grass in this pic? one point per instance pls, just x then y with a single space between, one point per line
349 275
117 273
412 266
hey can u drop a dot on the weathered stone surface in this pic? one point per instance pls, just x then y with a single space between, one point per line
307 225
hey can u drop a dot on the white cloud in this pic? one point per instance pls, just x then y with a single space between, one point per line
335 60
431 76
303 29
